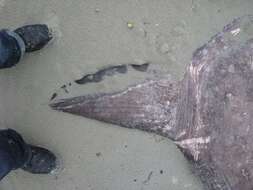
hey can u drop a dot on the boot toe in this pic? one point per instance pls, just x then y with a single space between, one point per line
42 161
35 36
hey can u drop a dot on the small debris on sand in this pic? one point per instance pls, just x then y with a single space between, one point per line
98 154
130 25
148 178
53 96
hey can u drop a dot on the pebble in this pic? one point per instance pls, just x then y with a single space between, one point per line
130 25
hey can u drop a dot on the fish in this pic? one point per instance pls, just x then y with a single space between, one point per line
208 114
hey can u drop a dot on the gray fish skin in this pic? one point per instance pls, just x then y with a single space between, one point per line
209 114
215 112
150 106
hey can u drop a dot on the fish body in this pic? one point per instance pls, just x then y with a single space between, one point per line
208 115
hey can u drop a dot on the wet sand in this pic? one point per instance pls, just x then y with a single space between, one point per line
89 35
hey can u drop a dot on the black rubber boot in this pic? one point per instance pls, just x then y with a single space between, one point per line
12 143
41 161
30 158
35 36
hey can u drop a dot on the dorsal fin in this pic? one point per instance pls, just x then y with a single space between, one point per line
150 106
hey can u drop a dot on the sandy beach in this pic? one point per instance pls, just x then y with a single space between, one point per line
90 35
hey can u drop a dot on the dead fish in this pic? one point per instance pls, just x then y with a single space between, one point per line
208 115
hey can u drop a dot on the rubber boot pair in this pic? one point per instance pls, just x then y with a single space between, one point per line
13 45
